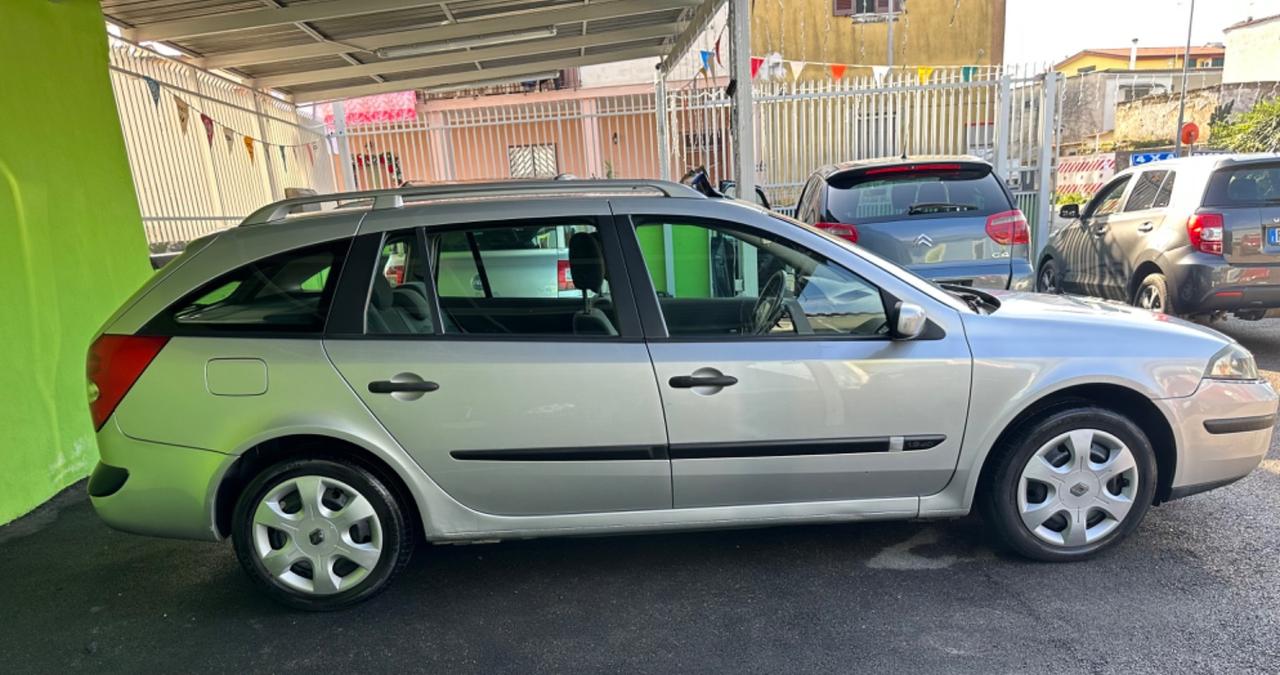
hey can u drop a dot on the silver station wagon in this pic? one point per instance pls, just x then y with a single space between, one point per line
328 389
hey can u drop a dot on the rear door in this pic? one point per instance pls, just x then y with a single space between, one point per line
812 402
502 398
950 221
1247 199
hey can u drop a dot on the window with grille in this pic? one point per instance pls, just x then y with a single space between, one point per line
865 8
532 161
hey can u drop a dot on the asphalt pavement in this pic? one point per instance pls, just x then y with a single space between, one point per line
1196 589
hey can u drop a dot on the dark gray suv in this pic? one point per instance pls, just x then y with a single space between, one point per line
1197 236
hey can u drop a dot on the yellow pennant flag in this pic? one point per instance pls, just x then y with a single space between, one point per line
924 72
248 145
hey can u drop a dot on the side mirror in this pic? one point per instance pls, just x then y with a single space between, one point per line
1069 211
910 321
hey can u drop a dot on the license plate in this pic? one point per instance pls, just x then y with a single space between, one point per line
1273 236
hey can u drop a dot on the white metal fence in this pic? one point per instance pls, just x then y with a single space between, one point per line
195 176
194 181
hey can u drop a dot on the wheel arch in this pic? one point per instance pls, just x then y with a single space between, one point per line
1121 399
268 452
1143 270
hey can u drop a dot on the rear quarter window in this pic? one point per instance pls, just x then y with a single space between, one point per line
288 292
1248 185
893 194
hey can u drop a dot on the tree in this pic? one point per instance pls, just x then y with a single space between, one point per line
1255 131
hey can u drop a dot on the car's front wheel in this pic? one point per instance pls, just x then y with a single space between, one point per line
1070 484
319 534
1047 279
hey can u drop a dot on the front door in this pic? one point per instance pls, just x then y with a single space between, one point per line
1089 259
779 380
499 358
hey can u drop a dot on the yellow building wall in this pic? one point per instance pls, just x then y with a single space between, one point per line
1073 65
929 32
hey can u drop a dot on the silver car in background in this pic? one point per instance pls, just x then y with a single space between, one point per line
306 385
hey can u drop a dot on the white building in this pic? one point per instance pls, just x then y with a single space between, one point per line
1253 51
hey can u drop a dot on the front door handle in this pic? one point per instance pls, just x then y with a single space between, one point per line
391 387
1099 230
1146 227
691 381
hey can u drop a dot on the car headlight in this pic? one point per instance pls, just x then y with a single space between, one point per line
1232 363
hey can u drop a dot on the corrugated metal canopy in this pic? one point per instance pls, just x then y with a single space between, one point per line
318 50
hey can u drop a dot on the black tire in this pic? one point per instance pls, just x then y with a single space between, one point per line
998 495
1048 277
397 535
1153 289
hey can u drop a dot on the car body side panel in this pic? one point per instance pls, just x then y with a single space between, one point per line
1053 352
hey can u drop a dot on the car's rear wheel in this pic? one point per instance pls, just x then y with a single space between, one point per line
1153 294
1048 280
320 534
1070 484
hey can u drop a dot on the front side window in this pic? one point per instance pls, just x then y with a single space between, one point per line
1108 201
288 292
534 279
729 282
1145 190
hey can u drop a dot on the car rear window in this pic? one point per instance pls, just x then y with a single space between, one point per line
1251 184
901 192
287 292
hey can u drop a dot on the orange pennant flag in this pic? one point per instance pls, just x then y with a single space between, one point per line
837 70
248 145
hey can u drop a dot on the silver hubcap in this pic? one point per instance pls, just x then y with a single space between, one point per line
1149 298
317 535
1077 488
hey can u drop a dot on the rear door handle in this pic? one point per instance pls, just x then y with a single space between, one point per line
1146 227
391 387
691 381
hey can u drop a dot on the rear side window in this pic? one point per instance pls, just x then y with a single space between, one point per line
287 293
1253 184
1147 189
900 192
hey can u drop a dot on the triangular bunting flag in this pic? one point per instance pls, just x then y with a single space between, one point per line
718 61
706 58
230 137
756 62
311 153
184 112
924 72
879 72
208 128
837 71
154 88
283 163
967 73
248 146
796 68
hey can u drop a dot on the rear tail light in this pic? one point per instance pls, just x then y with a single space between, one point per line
394 274
1205 232
564 276
846 231
1008 228
115 363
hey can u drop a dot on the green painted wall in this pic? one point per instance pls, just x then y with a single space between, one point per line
71 240
692 247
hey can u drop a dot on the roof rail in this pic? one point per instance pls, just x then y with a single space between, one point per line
394 198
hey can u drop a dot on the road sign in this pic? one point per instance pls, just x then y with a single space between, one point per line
1149 157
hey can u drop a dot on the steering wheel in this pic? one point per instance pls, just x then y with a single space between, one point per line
769 305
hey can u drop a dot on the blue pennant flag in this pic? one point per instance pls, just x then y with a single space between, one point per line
154 88
706 58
